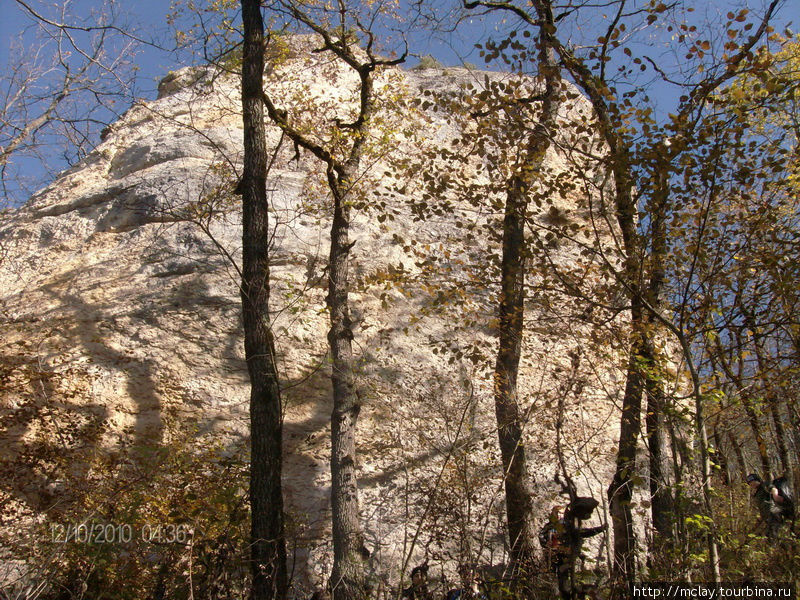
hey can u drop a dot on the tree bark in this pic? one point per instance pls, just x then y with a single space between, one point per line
507 411
737 451
620 492
268 550
519 509
720 458
771 398
348 577
780 434
658 444
661 504
761 444
749 410
705 473
794 420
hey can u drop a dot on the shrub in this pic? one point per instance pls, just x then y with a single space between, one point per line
427 62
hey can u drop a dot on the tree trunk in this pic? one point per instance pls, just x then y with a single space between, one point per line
658 444
720 458
771 398
620 492
705 473
737 451
780 435
661 506
519 509
268 550
752 417
761 444
507 411
794 419
705 462
348 577
678 465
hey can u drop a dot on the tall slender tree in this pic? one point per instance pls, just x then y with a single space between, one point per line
343 168
644 179
511 310
268 549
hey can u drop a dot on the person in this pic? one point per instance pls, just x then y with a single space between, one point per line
419 585
764 504
470 585
774 502
562 538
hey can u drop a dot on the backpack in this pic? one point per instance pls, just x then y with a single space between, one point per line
549 537
785 492
581 508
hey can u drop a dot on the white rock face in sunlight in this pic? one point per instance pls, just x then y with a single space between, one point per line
119 281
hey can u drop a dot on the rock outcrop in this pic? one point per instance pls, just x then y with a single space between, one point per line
120 326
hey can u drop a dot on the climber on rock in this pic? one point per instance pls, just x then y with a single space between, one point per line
562 539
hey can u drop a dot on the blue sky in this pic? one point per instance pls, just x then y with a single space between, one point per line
147 18
144 18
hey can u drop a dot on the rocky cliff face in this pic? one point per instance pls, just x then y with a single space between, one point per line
120 326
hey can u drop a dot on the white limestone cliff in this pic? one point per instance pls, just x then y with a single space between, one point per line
133 314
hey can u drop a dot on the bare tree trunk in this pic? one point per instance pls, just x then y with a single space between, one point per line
511 319
794 419
507 411
780 435
737 450
771 398
705 473
661 503
348 578
720 458
678 464
658 443
348 575
268 550
511 309
752 417
620 492
761 444
705 462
